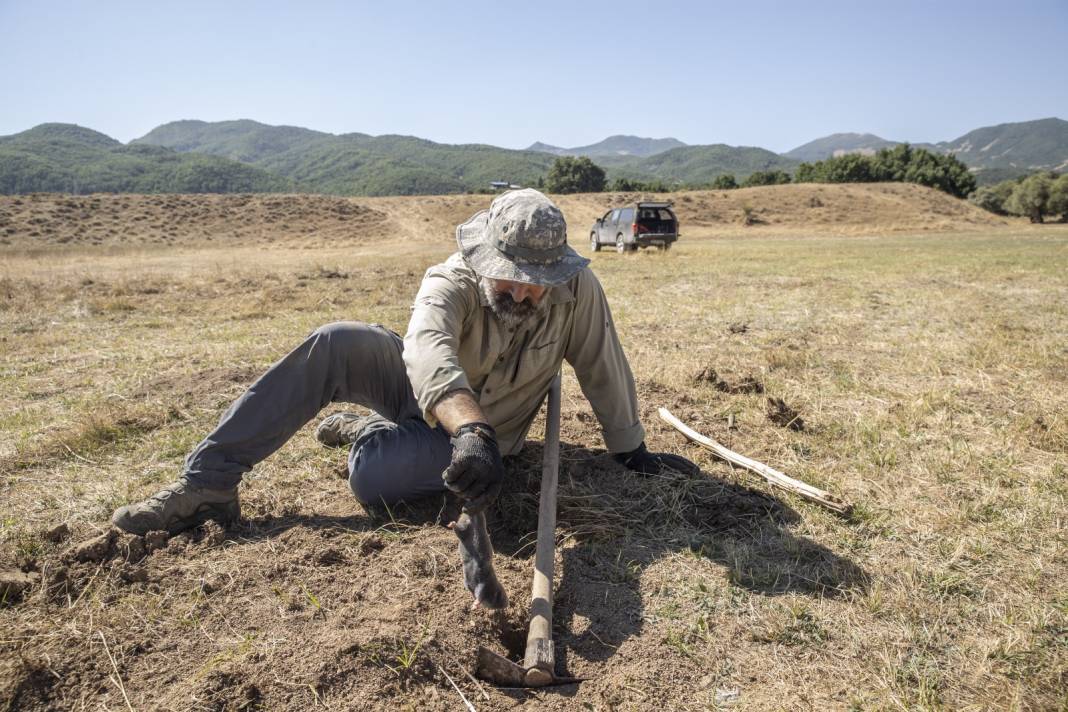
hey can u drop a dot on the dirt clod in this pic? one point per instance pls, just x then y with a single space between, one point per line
707 375
58 533
96 549
156 540
783 415
748 384
211 534
131 548
15 583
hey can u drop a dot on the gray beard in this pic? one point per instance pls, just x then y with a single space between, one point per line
511 313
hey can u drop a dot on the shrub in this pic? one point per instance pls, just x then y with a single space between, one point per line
994 197
776 177
631 185
725 182
902 163
1058 197
1031 197
575 174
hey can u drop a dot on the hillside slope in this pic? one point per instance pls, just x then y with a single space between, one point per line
701 164
43 220
242 140
618 145
993 152
839 144
1041 144
355 163
69 158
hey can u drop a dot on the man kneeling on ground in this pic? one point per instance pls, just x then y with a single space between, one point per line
490 328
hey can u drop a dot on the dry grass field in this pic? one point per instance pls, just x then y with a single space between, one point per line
921 341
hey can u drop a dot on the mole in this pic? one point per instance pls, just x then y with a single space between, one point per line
476 552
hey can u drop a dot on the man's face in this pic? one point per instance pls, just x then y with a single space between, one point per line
514 302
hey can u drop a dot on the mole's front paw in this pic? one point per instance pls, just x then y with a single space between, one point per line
476 553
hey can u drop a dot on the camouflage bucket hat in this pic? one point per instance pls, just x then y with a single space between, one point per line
522 238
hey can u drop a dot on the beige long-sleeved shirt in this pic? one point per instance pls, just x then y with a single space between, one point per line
455 342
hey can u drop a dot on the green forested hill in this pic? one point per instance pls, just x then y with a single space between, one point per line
838 144
993 153
1026 145
355 163
247 156
243 140
358 164
696 165
73 159
629 146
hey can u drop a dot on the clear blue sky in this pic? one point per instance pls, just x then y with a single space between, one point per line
508 73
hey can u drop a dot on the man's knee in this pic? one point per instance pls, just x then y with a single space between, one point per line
395 463
346 335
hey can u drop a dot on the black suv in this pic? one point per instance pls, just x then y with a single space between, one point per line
637 225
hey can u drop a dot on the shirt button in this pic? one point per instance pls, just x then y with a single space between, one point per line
500 358
487 390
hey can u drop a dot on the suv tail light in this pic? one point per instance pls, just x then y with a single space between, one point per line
635 229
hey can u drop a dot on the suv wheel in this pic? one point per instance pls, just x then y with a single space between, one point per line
621 246
594 245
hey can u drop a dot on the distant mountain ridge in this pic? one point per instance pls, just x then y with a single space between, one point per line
697 165
358 164
618 145
1029 145
354 163
248 156
839 144
65 158
241 140
1003 150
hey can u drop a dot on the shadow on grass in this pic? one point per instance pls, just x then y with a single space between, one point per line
621 523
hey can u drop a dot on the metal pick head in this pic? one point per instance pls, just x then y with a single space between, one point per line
503 672
499 669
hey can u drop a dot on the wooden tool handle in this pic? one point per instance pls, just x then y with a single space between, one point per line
539 653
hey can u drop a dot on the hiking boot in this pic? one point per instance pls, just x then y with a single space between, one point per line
177 507
340 429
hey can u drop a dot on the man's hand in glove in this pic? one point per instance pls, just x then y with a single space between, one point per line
476 471
651 463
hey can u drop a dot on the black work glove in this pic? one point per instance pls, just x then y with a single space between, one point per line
651 463
476 471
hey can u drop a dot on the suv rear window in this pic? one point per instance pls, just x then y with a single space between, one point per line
656 220
626 215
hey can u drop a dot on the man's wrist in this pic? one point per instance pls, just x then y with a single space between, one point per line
482 430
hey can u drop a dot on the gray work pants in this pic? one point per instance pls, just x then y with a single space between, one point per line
398 456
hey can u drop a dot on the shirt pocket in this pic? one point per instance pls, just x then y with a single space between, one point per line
537 359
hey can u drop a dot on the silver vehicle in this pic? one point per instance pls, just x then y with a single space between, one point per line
642 224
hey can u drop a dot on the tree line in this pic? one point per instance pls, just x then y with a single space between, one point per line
1036 197
903 163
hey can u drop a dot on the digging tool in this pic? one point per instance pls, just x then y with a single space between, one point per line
538 668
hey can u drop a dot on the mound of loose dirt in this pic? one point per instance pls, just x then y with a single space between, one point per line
41 220
45 219
814 208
